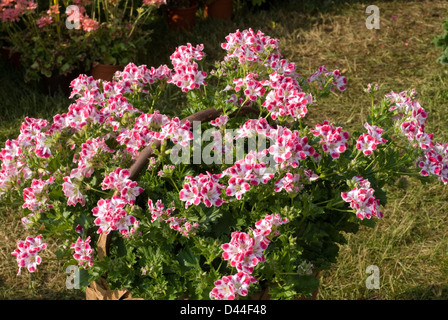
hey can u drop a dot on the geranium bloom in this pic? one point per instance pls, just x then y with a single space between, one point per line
176 131
362 199
269 224
375 132
72 188
333 140
90 151
339 81
431 163
83 252
27 253
241 282
245 251
89 24
110 215
158 210
322 74
366 143
118 180
186 74
81 84
253 127
224 289
286 97
35 196
190 194
252 170
250 46
290 183
241 253
188 77
251 87
182 226
203 188
229 287
289 148
220 122
44 21
237 187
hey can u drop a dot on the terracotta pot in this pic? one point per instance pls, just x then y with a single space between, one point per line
219 9
182 18
104 71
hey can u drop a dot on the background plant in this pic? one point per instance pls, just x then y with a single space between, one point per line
99 32
441 41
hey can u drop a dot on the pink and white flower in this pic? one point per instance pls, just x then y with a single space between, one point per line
83 252
27 253
362 199
333 140
204 188
230 287
111 215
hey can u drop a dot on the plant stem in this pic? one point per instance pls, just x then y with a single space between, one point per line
174 184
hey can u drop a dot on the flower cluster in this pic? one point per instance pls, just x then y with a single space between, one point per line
27 253
83 252
119 181
180 224
248 46
157 210
286 97
230 287
186 74
204 188
35 196
289 148
250 171
12 10
90 153
74 188
362 199
245 251
111 215
333 141
251 87
286 150
322 76
410 118
369 141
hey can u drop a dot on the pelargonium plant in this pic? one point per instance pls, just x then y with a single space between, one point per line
255 199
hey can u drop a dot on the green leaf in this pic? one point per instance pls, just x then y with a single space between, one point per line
65 67
187 258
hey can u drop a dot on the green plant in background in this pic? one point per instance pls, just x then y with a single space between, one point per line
66 36
123 33
45 45
441 41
